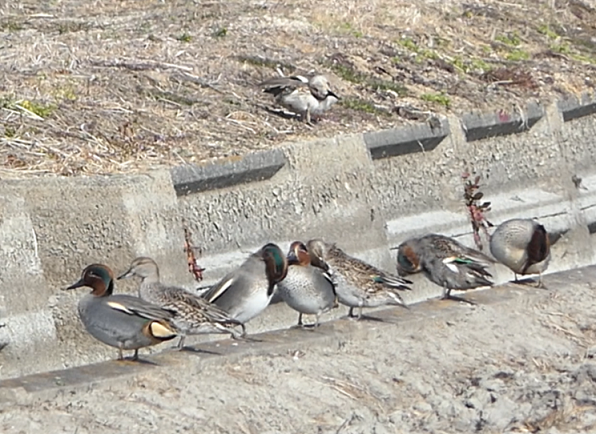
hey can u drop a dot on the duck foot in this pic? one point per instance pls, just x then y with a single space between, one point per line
195 350
456 298
247 339
530 283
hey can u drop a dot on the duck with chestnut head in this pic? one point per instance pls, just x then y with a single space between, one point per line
307 289
445 262
357 283
121 321
246 292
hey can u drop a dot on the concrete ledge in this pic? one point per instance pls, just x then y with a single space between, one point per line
574 108
485 125
42 386
400 141
253 167
342 189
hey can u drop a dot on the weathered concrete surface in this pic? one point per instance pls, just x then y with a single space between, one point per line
520 361
327 188
50 232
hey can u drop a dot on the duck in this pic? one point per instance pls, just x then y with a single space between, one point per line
357 283
307 289
121 321
245 292
522 245
193 314
306 96
445 262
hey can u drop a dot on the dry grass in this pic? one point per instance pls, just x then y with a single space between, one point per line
119 86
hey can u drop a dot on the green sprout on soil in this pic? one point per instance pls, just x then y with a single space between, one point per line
71 27
408 43
398 88
9 132
517 55
184 37
439 98
348 28
11 26
220 33
512 40
348 74
360 105
38 109
544 29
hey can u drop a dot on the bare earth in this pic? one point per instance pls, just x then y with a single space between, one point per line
525 365
119 86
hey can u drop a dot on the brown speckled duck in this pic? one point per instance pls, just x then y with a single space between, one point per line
357 283
193 315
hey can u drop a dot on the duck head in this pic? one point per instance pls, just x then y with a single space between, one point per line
298 254
408 260
321 88
276 264
142 267
99 277
318 250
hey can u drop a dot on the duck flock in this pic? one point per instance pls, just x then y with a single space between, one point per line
312 279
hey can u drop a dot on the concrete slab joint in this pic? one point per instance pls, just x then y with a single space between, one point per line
407 140
330 187
258 166
574 108
479 126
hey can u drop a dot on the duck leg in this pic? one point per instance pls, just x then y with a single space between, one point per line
540 282
447 296
135 356
120 355
300 323
180 345
318 318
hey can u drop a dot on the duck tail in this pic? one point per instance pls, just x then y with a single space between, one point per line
393 281
398 300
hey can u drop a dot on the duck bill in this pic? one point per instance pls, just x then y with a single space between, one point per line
292 258
128 273
333 94
75 285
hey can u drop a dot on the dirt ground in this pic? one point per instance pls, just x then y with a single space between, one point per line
109 86
525 365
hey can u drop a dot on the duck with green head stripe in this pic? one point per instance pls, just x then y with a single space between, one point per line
445 262
245 292
121 321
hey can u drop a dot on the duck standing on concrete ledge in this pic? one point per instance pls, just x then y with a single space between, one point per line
444 262
306 288
121 321
357 283
247 291
523 245
193 314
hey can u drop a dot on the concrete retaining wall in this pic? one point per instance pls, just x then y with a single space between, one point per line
367 191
